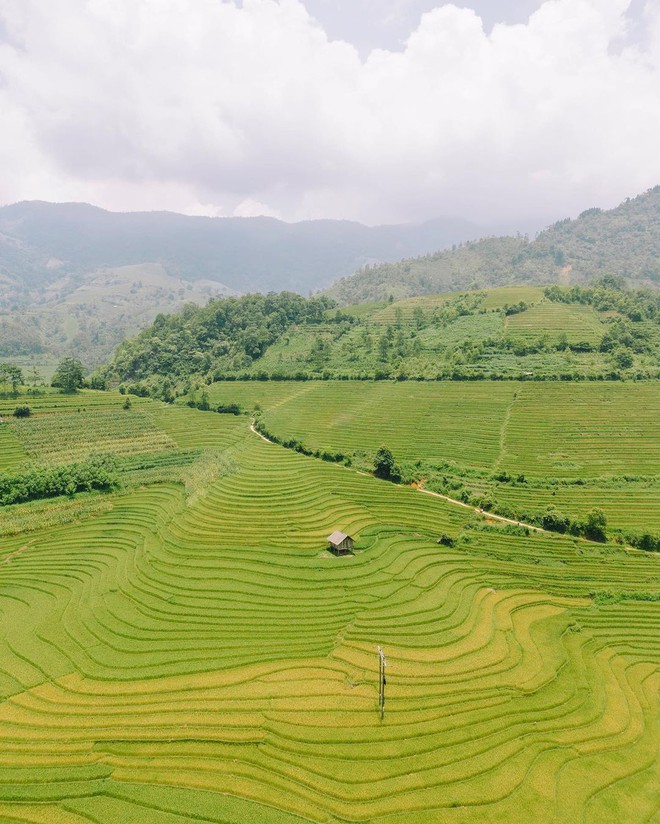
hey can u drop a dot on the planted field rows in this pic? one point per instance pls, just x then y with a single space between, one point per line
539 430
434 422
555 430
12 454
632 509
578 323
493 299
54 402
166 660
66 438
584 430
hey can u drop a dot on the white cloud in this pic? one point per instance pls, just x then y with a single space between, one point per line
224 108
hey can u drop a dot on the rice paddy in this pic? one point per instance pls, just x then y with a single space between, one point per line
172 658
604 435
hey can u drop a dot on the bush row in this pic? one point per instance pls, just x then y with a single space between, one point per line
99 472
450 375
298 446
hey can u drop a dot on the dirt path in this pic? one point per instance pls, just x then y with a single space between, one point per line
256 432
487 515
483 512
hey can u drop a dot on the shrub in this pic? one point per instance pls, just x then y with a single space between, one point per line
22 412
229 409
594 526
385 467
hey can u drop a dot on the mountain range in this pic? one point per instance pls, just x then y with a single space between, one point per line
624 242
46 247
76 279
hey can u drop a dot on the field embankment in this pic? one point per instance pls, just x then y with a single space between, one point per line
191 650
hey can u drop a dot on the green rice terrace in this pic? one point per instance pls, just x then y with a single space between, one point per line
180 646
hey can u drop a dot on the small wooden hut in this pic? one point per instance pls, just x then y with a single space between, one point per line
340 543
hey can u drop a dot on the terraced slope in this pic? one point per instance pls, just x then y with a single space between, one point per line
577 323
437 421
12 453
603 435
584 430
547 429
72 437
205 659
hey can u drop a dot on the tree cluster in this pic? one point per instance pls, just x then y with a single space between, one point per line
99 472
234 332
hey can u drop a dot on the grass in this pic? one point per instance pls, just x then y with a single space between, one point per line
578 323
604 434
203 658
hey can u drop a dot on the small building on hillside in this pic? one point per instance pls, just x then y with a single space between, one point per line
340 543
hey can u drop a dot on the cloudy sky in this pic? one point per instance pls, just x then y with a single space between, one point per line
501 111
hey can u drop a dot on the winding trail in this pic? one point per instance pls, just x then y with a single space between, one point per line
477 510
256 432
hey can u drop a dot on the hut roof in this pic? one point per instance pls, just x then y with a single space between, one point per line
337 537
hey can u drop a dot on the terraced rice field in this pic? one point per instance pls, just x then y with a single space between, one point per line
172 660
12 453
510 295
543 430
434 421
560 430
630 508
55 403
579 323
494 299
584 430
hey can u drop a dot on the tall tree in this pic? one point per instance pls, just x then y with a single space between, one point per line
12 375
68 375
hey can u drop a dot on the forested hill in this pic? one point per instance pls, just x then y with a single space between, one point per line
602 332
624 241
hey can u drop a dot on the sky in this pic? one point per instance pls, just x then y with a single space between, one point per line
504 112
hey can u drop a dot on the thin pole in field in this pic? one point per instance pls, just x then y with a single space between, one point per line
382 663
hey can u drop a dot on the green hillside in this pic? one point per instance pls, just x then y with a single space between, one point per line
93 317
599 332
514 448
624 242
185 648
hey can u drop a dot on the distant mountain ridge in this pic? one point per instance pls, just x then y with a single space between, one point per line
624 241
42 244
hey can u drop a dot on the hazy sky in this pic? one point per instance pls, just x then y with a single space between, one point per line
375 110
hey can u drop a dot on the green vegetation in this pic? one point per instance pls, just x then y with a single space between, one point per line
543 453
602 333
69 375
184 648
179 645
56 439
96 473
11 376
235 331
622 242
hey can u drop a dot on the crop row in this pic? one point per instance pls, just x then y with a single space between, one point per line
218 648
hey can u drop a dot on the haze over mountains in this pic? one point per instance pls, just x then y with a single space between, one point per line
42 244
624 241
75 278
